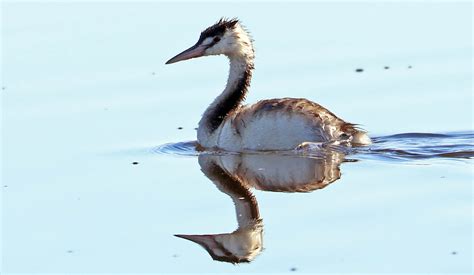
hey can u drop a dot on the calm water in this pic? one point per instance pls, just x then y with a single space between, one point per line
238 174
97 176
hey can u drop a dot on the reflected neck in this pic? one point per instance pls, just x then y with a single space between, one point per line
246 205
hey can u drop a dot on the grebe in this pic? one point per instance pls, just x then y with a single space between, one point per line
273 124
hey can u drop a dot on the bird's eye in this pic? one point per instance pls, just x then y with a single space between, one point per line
216 39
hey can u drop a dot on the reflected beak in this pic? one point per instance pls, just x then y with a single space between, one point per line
193 52
206 241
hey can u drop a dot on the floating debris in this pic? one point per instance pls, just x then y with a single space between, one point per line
70 251
386 67
180 128
293 269
454 253
359 70
409 67
135 162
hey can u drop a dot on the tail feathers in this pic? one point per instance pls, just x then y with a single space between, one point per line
361 138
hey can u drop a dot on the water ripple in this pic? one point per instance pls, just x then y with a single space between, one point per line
405 146
186 148
423 145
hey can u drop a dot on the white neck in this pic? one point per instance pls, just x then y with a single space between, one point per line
229 100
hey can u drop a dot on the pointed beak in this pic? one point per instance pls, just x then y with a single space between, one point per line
204 240
193 52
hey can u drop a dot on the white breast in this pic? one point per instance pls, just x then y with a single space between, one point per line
272 131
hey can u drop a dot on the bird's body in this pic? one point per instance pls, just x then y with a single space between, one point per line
278 124
274 124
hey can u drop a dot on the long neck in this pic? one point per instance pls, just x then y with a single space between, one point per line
246 205
234 93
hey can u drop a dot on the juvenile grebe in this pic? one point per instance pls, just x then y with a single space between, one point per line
272 124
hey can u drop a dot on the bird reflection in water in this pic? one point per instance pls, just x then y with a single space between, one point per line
235 175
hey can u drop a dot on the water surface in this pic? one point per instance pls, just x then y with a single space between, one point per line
87 104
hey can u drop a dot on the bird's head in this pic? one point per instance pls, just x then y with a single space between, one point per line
226 37
240 246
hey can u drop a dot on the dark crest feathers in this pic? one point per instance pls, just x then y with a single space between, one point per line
218 28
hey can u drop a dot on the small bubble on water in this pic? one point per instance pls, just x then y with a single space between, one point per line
409 67
70 251
454 253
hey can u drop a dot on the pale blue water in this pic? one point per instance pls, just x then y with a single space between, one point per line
85 94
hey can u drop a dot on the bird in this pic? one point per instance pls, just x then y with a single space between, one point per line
268 125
